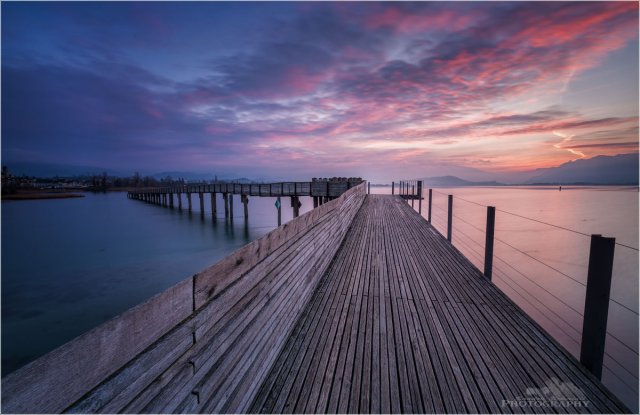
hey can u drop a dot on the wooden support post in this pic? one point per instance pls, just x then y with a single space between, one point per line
171 200
179 200
420 197
189 200
488 242
279 205
214 209
450 218
231 206
295 204
368 188
315 202
225 199
201 195
596 303
413 194
245 202
393 188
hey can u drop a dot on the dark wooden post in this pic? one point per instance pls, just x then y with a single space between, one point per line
279 211
368 188
488 242
450 218
420 197
201 204
315 202
171 200
245 202
430 200
230 205
413 194
214 208
179 195
189 200
596 303
225 199
295 204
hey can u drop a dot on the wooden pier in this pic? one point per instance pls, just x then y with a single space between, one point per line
320 190
359 305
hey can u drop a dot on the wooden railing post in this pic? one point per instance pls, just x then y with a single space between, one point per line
488 242
413 194
393 190
279 206
368 188
449 218
230 205
430 202
214 209
225 199
596 303
420 197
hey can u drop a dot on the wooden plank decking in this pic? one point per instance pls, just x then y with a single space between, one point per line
402 322
356 306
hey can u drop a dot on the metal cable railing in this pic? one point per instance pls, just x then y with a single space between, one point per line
441 218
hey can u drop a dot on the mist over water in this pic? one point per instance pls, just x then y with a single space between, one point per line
71 264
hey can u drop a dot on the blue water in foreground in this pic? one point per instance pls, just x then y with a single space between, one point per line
71 264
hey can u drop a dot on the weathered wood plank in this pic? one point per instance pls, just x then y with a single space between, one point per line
216 278
58 379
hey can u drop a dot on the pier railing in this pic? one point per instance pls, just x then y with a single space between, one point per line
479 248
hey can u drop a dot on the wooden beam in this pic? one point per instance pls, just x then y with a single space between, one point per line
596 303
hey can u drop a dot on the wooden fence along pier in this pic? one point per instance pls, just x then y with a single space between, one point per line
359 305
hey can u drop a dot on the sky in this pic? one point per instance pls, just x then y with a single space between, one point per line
295 90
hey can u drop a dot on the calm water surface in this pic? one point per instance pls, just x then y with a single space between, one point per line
71 264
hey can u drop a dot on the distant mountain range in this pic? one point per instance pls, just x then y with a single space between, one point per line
620 169
453 181
601 170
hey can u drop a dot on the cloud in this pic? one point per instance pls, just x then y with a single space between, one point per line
336 84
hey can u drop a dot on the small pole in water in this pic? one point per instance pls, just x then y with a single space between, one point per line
560 189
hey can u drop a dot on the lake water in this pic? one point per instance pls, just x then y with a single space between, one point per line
71 264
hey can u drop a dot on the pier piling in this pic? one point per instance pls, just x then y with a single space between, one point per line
245 202
214 210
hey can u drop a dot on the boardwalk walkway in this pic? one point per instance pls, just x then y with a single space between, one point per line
402 322
356 306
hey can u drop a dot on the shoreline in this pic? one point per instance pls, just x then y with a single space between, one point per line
40 196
